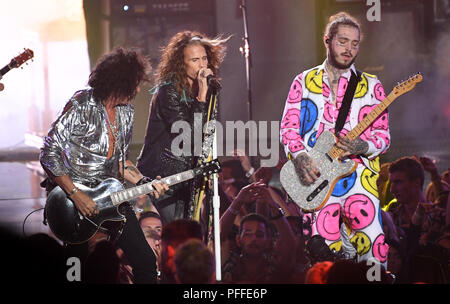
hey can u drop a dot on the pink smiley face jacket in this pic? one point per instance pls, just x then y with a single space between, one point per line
308 111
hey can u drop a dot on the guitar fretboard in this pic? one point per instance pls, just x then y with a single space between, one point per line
5 70
366 122
132 193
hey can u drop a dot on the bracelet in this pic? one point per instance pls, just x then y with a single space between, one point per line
143 180
250 172
74 190
233 211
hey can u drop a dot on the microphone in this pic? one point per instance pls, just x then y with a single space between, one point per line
213 82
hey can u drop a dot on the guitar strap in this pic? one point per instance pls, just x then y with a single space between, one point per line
348 97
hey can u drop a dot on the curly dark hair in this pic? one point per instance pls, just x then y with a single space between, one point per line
172 67
118 74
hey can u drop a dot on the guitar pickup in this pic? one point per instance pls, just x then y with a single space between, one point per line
317 190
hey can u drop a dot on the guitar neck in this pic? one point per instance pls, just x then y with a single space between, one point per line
370 118
5 70
366 122
134 192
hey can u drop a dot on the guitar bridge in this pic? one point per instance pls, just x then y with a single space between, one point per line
317 190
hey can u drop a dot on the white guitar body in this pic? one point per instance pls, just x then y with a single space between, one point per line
314 196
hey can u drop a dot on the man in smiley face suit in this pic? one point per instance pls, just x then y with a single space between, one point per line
312 106
186 62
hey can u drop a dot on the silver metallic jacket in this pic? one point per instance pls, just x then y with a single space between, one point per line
78 142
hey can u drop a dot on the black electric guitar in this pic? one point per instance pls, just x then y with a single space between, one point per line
17 61
70 226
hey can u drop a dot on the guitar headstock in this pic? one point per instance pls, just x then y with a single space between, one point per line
21 59
407 85
208 168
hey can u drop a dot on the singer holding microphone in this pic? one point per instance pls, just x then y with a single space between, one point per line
188 68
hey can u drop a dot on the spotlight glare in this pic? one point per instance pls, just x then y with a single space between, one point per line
126 7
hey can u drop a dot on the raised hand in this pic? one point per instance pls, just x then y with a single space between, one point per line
244 159
202 75
428 164
250 192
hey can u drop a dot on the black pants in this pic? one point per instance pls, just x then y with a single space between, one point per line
136 249
133 243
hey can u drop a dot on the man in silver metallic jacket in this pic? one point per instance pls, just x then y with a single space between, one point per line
89 142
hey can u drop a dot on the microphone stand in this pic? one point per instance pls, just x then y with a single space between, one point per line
216 216
213 89
216 198
245 51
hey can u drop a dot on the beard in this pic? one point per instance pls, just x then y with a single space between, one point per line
333 61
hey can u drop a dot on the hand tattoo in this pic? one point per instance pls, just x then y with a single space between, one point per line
307 171
355 147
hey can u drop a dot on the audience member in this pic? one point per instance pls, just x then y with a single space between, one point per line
151 224
301 262
407 177
194 263
173 235
317 274
260 260
422 221
389 228
396 262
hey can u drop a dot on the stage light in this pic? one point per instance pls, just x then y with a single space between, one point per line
126 8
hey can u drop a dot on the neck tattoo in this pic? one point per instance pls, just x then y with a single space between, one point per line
334 74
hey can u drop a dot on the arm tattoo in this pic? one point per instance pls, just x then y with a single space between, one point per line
132 170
